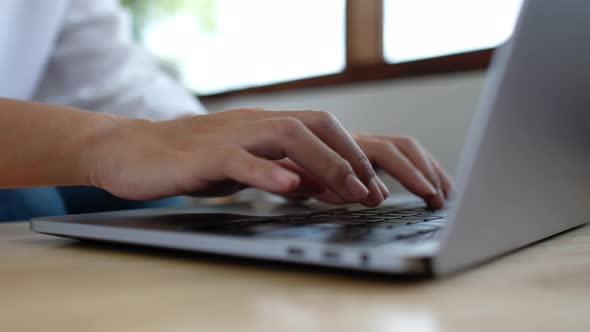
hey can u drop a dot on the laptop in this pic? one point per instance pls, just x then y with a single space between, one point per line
524 176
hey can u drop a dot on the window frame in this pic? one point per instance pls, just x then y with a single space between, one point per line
365 60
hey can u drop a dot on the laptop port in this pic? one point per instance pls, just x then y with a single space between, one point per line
364 259
295 252
331 255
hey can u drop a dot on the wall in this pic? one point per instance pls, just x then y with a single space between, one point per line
436 110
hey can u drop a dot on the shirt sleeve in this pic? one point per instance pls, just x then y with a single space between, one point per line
95 66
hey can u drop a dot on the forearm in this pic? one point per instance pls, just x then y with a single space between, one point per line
46 145
137 159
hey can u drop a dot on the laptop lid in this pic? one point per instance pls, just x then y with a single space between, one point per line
525 172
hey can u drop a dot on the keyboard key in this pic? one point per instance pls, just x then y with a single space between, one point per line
326 219
420 210
336 211
391 215
348 216
405 213
371 219
411 222
385 228
357 222
387 210
342 226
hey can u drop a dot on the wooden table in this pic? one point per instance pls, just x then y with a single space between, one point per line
54 284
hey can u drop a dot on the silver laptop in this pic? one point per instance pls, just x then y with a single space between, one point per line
524 176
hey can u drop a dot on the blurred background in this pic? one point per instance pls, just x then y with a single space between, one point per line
413 67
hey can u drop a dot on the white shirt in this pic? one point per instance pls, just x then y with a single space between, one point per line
79 53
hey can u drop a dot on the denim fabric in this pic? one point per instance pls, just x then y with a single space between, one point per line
23 204
91 199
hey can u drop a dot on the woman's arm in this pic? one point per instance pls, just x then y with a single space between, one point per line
46 145
279 152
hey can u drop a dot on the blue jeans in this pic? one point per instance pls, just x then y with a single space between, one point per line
23 204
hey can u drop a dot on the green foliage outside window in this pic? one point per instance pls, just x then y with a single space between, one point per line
142 11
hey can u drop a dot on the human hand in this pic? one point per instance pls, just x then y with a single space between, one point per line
406 160
223 152
287 152
401 157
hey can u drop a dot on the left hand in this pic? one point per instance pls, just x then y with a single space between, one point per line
401 157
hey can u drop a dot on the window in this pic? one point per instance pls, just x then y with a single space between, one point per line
420 29
220 45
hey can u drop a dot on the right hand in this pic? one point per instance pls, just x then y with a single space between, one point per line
224 152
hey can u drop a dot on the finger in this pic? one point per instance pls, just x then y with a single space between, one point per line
329 197
289 137
327 127
309 184
243 167
426 163
384 189
376 193
418 156
391 160
329 130
447 183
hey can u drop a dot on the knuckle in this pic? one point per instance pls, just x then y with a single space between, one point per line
357 136
227 155
341 169
407 142
287 127
362 159
365 165
325 120
386 147
251 168
229 150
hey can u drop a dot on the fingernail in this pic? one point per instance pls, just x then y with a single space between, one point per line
441 194
376 197
430 190
355 187
383 187
286 179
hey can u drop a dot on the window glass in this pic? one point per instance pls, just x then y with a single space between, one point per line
418 29
219 45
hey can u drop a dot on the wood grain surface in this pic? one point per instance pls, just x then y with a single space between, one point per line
53 284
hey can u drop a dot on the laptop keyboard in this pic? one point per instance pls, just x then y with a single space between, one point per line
368 226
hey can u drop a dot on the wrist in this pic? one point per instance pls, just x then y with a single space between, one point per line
101 137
